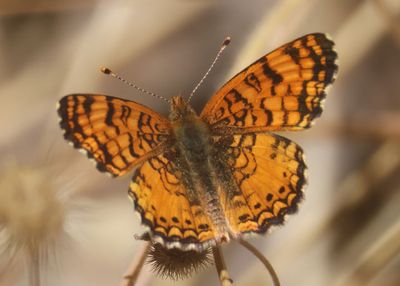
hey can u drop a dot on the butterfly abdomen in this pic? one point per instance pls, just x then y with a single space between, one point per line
193 142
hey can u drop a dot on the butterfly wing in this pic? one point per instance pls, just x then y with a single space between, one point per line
281 91
268 172
117 133
167 205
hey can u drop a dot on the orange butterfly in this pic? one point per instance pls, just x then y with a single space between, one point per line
208 178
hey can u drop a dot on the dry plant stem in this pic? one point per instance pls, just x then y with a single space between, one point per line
390 17
223 274
10 7
34 267
264 260
134 269
383 127
376 258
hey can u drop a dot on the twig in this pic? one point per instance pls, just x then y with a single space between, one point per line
34 261
223 274
263 259
390 17
383 251
383 127
9 7
134 269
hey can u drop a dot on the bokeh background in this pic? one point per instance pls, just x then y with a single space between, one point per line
64 223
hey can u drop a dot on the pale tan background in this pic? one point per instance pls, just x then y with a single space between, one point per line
347 231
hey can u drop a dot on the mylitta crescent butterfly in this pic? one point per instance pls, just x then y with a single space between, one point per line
205 179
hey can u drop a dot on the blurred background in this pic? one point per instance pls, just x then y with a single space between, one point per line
64 223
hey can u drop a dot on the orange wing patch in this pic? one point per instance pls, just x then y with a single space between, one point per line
269 173
117 133
281 91
168 208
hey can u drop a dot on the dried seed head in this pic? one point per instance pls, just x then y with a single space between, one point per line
175 263
29 206
33 212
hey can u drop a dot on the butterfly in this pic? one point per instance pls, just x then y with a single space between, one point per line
204 179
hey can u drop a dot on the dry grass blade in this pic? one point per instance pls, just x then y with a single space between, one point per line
263 259
380 254
390 17
134 269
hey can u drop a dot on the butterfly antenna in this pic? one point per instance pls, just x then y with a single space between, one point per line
107 71
223 46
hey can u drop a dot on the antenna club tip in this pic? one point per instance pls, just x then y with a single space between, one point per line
105 70
227 41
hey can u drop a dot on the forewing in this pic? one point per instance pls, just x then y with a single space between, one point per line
167 207
269 175
117 133
281 91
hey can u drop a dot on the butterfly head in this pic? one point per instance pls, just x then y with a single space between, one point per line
180 109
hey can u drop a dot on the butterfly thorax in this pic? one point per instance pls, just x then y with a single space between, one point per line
189 130
180 109
193 142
